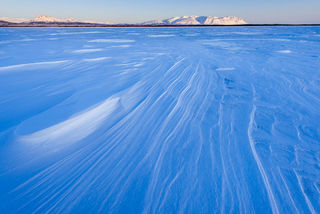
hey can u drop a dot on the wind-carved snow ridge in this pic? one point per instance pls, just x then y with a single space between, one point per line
87 50
120 46
285 51
75 128
161 35
33 65
111 40
97 59
225 69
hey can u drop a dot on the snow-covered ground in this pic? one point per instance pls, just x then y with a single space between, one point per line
160 120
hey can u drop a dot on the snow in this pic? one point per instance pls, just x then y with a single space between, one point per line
183 20
120 46
28 66
225 69
285 51
48 19
87 50
161 35
45 18
14 20
224 20
75 128
199 20
97 59
112 40
130 120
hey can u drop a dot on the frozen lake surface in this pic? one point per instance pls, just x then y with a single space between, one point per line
160 120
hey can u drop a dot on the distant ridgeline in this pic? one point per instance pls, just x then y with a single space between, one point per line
49 21
198 20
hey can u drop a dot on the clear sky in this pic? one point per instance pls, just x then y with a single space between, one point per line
133 11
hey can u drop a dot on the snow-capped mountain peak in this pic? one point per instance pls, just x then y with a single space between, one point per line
183 20
45 18
13 20
199 20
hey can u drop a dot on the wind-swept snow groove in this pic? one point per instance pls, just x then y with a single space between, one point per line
260 166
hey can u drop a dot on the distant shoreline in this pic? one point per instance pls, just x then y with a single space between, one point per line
54 25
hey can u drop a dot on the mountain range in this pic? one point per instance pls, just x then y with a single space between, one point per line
44 20
48 19
198 20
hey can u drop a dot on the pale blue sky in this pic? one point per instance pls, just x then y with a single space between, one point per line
133 11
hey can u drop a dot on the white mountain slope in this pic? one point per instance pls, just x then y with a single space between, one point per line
184 20
48 19
199 20
45 18
13 20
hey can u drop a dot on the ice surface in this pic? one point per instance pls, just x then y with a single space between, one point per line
160 120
